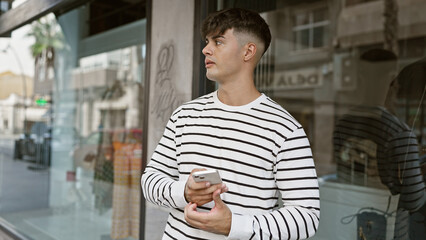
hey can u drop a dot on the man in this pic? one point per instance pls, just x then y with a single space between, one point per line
374 148
410 87
259 149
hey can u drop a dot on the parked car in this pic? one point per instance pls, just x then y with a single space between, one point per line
35 145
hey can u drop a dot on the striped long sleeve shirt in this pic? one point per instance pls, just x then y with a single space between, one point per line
261 153
389 158
389 147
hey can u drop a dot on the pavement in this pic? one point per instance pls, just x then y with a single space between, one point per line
7 144
24 203
30 188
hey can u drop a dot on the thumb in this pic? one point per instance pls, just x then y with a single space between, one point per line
216 198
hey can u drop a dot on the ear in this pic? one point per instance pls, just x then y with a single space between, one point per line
250 51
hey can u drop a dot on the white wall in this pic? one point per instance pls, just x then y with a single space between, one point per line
171 63
170 80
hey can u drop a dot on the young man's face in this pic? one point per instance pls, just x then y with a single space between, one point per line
224 56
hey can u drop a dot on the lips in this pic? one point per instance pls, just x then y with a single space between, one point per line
208 63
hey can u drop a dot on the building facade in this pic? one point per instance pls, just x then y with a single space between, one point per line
128 64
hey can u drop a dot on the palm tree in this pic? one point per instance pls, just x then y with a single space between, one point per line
48 38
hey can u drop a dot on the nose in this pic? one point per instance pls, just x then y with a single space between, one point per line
207 51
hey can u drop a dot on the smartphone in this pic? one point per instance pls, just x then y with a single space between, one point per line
211 176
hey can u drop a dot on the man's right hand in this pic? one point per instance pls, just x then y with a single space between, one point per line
201 192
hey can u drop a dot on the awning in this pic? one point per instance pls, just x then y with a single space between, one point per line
33 10
36 114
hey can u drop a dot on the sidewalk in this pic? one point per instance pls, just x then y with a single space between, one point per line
20 188
27 205
7 144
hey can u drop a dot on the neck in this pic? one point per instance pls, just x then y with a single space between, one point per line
238 93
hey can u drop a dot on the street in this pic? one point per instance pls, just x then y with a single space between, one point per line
21 189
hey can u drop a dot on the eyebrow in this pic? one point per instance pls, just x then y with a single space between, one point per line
218 36
215 37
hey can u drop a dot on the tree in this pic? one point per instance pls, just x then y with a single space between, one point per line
48 38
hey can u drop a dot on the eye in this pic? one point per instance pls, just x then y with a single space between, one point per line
218 42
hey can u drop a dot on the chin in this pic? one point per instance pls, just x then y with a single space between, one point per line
211 77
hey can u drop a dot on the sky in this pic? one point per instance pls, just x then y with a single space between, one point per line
21 45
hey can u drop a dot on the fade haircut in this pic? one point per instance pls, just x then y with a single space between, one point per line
241 20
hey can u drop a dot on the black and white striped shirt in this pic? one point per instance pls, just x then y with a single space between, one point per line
391 149
260 151
390 158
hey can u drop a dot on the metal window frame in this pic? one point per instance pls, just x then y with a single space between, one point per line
309 26
145 120
200 84
33 10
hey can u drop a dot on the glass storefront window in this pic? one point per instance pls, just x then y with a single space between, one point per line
76 167
354 77
4 6
310 29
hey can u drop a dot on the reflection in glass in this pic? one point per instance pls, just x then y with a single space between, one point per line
109 154
81 163
362 109
319 37
310 29
302 19
320 15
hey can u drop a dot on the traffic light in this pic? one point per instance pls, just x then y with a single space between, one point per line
41 102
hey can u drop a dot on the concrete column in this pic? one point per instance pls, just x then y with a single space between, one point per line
170 78
171 66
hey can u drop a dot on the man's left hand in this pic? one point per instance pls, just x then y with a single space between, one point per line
218 220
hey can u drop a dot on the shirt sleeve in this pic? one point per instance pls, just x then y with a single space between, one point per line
405 171
160 180
296 179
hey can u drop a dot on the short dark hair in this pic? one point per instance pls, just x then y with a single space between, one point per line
241 20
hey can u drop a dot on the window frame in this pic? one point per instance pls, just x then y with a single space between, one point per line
309 26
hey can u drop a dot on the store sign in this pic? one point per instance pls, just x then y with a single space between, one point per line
303 78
